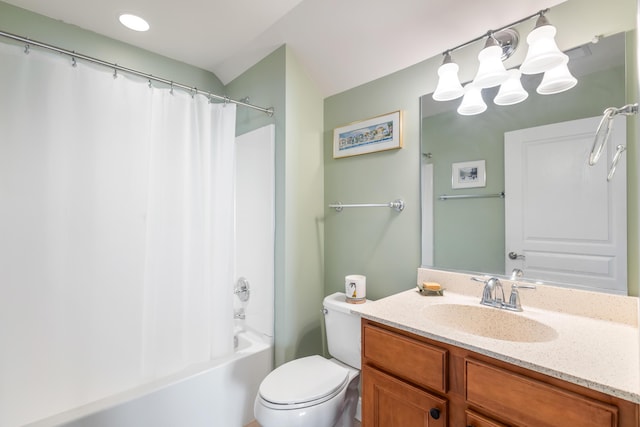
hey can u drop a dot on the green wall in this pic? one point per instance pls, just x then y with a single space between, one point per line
380 243
280 81
298 313
633 167
384 245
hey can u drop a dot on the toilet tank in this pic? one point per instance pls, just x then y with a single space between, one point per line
343 329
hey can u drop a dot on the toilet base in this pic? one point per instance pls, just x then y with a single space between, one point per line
340 411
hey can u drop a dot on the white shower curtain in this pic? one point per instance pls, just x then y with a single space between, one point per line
116 232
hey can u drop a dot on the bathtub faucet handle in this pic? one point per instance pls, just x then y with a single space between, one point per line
242 289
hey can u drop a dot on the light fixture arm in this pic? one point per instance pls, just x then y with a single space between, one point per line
491 40
489 33
447 58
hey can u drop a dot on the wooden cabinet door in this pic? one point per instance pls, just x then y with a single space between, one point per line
390 402
530 402
476 420
417 362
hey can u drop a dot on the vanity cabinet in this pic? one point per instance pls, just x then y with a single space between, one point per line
473 419
397 403
397 394
409 380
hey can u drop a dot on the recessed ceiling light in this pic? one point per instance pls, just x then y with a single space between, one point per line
133 22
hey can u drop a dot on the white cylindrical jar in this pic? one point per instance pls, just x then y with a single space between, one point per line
355 288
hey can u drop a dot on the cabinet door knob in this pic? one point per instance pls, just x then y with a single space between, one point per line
435 413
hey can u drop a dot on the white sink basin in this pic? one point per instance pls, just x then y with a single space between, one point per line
490 322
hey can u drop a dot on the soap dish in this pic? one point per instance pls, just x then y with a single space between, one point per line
430 293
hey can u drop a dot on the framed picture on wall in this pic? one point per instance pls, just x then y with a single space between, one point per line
368 136
468 174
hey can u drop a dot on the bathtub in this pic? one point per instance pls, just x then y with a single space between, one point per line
216 394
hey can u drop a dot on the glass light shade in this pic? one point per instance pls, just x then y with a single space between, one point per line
449 86
491 71
557 80
472 102
543 53
511 92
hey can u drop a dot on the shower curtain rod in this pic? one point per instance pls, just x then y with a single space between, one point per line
29 42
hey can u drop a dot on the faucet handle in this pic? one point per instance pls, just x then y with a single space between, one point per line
490 282
514 298
517 286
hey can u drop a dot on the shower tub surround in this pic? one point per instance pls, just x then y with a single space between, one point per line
218 393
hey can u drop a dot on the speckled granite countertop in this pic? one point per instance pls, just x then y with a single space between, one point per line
599 354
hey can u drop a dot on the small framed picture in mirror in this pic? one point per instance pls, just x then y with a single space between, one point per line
468 174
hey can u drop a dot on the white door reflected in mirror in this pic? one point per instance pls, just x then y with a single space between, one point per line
562 216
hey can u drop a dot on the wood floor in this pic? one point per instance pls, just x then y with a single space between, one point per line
255 424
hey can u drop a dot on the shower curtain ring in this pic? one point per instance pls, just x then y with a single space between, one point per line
115 72
73 62
27 48
194 91
226 100
171 88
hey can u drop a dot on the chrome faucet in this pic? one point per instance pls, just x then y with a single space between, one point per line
493 293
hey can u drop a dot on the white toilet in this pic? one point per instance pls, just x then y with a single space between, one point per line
314 391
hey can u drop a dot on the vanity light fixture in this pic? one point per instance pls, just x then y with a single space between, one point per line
133 22
543 56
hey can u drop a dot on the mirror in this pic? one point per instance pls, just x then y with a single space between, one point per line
469 234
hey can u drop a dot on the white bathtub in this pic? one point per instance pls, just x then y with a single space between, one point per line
217 394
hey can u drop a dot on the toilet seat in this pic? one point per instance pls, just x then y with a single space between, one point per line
303 382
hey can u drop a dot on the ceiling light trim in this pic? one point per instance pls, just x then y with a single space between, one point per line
133 22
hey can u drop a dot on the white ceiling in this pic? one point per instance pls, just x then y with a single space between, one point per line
342 43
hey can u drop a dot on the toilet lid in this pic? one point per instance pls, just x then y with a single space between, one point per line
303 380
